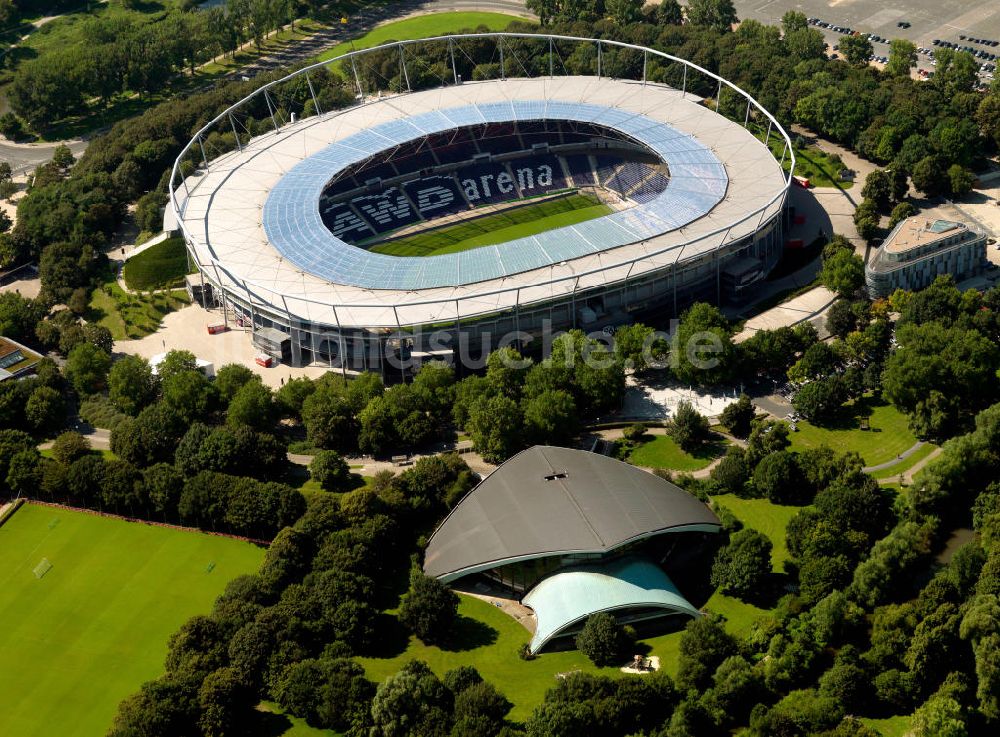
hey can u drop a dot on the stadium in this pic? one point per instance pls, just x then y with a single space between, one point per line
418 223
570 533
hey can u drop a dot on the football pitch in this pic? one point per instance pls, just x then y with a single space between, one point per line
95 626
489 230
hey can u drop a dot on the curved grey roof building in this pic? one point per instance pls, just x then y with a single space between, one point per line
571 529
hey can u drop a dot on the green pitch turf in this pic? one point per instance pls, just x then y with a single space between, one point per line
500 228
95 626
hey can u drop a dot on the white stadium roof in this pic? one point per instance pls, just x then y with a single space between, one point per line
224 209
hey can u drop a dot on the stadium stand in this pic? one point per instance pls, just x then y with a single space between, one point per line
627 176
651 187
580 170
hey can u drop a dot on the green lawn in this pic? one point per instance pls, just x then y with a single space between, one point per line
810 162
525 682
661 451
132 315
422 26
765 517
499 228
888 437
896 726
95 627
161 266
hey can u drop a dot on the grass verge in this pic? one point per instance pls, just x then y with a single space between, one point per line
499 228
95 627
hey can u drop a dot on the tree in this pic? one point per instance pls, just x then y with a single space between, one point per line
738 415
878 189
251 406
132 385
960 180
731 473
717 14
329 469
779 478
550 418
602 639
87 368
929 175
843 273
940 716
793 21
411 702
902 57
62 157
702 351
328 418
24 476
689 428
495 426
45 410
188 394
624 12
230 378
176 362
69 446
429 608
226 702
821 400
479 711
742 566
856 50
899 213
704 645
669 13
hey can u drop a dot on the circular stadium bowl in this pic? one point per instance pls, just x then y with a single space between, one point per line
296 216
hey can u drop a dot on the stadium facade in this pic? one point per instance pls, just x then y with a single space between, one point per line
572 533
281 226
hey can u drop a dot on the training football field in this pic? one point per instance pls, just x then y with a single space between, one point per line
489 230
95 626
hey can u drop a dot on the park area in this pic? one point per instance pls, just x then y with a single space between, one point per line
95 625
489 639
887 436
487 230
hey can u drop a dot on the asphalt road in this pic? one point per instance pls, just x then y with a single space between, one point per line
26 156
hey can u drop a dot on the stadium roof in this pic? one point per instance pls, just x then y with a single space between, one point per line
223 208
570 596
293 224
547 501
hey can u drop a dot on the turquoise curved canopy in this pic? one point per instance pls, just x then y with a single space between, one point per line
570 596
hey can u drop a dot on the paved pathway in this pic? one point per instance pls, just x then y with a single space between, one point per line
893 461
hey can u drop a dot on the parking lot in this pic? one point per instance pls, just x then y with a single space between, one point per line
945 20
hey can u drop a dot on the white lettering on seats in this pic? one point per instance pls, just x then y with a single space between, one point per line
504 182
434 198
383 211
